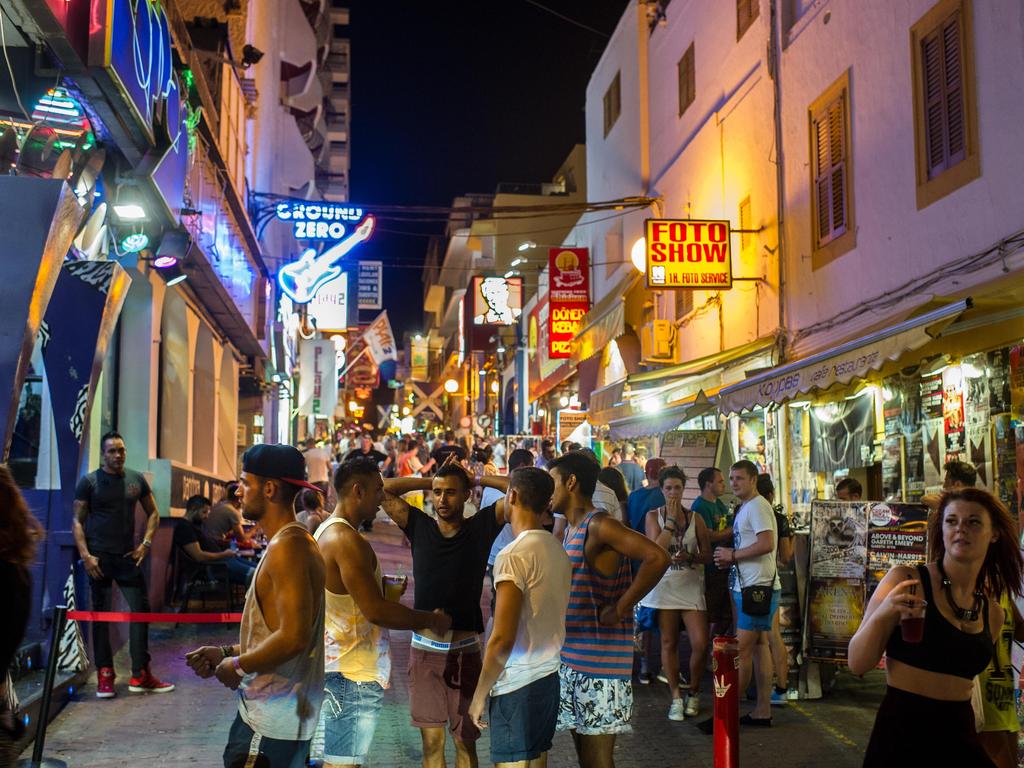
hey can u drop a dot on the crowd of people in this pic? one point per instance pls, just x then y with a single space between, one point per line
586 564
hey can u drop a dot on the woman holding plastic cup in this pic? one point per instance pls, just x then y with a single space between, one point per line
926 715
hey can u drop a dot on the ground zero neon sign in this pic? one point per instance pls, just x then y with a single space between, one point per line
318 221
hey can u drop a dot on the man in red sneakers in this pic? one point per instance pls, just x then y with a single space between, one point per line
104 528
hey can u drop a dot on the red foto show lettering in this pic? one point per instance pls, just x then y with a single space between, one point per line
690 242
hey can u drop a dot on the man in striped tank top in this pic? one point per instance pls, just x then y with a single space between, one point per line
597 657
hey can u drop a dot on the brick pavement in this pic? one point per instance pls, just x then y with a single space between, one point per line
188 726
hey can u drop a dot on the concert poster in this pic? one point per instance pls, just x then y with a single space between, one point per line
897 535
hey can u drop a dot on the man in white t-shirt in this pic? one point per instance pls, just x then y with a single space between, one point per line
520 667
752 563
318 465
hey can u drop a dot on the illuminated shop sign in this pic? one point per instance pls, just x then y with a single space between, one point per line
301 280
568 296
688 254
318 221
497 300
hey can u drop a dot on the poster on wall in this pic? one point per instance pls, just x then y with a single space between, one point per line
1005 461
897 535
892 468
914 467
892 406
997 375
931 397
933 441
802 487
752 443
954 426
1017 382
838 563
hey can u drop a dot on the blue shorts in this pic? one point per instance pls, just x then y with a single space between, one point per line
522 721
349 714
755 623
247 748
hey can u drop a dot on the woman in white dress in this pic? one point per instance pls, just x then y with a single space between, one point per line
679 596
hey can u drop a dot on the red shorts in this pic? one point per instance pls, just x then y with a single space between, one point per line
441 687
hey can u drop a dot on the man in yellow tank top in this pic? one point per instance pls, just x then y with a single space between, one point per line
356 655
998 686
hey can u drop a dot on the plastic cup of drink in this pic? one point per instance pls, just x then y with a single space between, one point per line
394 586
912 629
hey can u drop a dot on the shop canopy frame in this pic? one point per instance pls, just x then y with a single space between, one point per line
853 360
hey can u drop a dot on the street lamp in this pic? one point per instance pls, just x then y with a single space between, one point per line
451 386
638 254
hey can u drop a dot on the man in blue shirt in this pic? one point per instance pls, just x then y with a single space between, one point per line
718 519
643 500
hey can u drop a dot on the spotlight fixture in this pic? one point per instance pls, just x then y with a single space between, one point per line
164 262
129 211
134 242
177 279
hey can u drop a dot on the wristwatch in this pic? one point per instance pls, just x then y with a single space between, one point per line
147 543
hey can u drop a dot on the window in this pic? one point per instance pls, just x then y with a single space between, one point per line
687 80
746 12
944 108
831 174
684 304
746 239
612 103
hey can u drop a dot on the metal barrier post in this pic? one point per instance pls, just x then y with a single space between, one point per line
38 761
725 668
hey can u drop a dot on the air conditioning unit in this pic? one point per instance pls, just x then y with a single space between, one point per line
658 341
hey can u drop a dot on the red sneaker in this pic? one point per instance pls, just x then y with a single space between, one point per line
147 683
105 683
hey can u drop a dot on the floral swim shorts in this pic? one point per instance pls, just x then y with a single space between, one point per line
594 705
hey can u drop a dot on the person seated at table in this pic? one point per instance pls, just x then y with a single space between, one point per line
202 549
224 522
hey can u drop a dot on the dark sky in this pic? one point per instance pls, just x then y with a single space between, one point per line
451 97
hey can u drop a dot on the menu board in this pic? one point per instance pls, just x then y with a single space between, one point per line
691 450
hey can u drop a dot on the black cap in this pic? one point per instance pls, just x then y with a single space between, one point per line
277 462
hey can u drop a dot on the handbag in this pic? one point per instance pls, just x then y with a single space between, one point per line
756 600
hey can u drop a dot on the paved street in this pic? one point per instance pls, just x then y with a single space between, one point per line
189 726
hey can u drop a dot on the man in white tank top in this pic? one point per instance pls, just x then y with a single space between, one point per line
278 665
357 657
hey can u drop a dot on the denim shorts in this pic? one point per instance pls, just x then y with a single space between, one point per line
523 721
349 714
755 623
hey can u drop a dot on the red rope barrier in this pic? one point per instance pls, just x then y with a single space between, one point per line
179 618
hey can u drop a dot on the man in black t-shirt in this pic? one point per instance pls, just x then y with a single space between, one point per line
200 548
449 558
365 451
104 531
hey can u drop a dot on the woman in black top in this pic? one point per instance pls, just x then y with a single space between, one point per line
926 717
19 532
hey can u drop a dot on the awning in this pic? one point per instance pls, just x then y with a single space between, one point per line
643 425
606 321
852 360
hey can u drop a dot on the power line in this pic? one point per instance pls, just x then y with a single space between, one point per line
565 18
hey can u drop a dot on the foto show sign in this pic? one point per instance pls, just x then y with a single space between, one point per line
688 254
569 297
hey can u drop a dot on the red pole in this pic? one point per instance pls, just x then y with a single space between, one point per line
725 667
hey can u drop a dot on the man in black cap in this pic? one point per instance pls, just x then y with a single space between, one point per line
278 665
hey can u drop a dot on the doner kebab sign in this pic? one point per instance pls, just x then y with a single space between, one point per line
688 254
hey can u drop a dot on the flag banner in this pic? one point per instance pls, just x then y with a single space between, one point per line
380 339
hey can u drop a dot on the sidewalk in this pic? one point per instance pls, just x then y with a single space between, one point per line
189 726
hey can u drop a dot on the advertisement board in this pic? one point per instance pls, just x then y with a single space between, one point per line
688 254
318 377
497 300
853 545
568 297
329 308
370 278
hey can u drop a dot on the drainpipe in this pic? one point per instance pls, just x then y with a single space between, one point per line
775 71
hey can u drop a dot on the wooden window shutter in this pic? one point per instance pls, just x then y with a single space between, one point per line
830 171
687 80
944 110
746 12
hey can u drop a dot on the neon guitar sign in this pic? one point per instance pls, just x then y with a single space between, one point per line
301 279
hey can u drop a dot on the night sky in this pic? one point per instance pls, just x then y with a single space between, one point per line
453 97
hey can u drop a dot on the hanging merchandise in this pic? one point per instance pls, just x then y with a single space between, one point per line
892 468
954 421
933 442
914 447
978 414
1016 355
997 373
1005 461
801 482
842 435
931 397
752 444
